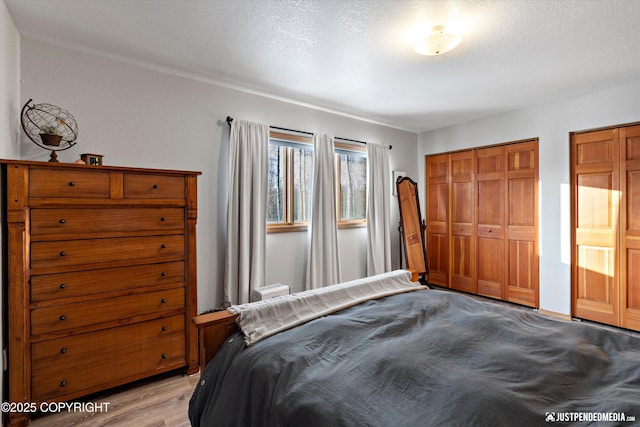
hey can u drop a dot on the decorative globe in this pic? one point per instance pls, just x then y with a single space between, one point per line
50 127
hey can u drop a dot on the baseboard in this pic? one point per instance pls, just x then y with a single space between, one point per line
554 314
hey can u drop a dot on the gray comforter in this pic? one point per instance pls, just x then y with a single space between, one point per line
424 358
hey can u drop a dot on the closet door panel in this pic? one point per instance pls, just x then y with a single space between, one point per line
437 211
630 298
522 276
490 267
490 208
461 273
595 210
596 283
490 221
521 201
437 219
462 196
630 227
461 208
438 258
595 182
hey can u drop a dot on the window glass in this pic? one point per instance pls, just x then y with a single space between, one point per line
302 170
353 186
289 183
290 169
276 191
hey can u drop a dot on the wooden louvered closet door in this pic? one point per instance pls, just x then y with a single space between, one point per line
522 223
606 226
482 221
462 197
437 219
490 247
630 227
595 162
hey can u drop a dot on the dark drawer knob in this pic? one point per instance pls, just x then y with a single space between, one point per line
63 285
63 383
155 185
164 218
163 274
71 183
63 317
62 221
62 253
63 350
163 246
163 300
164 356
164 328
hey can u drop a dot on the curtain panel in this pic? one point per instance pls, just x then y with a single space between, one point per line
246 211
323 267
378 210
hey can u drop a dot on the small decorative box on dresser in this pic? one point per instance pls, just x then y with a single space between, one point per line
101 277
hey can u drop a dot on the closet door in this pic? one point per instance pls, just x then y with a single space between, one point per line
595 183
462 197
437 168
490 220
521 201
630 227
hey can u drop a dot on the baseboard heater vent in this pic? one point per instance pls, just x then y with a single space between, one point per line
270 291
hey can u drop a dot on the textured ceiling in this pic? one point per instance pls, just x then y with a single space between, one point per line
356 57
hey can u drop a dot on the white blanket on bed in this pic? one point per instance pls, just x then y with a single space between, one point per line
261 319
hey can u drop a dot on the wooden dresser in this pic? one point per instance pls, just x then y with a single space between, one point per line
100 279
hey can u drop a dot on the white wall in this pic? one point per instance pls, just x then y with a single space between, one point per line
137 116
9 86
9 118
551 123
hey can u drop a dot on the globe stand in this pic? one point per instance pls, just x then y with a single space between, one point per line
51 141
49 127
53 158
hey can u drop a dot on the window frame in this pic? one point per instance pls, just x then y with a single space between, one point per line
349 223
289 224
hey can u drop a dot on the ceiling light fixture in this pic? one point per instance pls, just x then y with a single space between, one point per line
438 42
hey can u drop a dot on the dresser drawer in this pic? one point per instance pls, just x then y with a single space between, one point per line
56 183
69 316
91 282
139 186
82 221
91 251
69 365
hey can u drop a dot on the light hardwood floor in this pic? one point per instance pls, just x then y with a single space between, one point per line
155 402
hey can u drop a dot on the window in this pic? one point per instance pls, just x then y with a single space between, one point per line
289 183
351 165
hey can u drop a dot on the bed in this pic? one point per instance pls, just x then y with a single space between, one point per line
421 357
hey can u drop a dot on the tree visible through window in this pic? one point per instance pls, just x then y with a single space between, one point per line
353 186
289 183
276 190
302 170
290 169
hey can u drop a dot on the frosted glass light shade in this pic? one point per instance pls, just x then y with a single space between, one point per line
438 42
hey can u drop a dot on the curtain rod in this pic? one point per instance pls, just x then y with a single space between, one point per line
230 119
